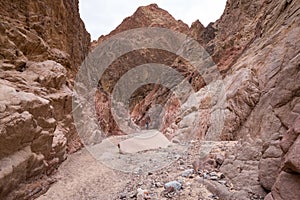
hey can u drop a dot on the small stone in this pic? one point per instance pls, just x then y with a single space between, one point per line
214 178
205 175
177 156
192 176
158 184
132 195
140 183
123 196
219 159
181 162
187 173
142 194
213 173
222 182
196 165
188 184
173 184
175 141
221 175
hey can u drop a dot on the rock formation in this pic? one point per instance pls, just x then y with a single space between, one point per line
256 48
42 44
145 97
256 103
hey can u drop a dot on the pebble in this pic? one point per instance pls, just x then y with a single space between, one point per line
140 183
142 194
158 184
175 184
196 165
181 162
132 195
214 178
222 182
192 176
220 159
175 141
123 196
213 174
205 175
187 173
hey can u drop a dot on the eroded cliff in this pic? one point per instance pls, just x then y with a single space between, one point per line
256 48
42 44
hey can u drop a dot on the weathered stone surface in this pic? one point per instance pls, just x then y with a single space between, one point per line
40 51
268 171
147 97
290 137
286 187
255 45
258 55
269 197
291 161
36 34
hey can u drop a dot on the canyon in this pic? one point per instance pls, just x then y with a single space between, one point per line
239 121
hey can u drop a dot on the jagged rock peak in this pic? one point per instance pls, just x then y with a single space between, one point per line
148 16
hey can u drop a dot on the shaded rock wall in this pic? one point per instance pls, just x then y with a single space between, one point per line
39 30
42 44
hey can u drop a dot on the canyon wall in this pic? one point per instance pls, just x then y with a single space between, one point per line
255 45
42 44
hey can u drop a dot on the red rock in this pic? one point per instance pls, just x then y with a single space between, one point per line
291 161
269 197
268 171
287 186
42 44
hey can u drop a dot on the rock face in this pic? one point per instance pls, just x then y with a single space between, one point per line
31 32
144 99
288 181
42 44
256 48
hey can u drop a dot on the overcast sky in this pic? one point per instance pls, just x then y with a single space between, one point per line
102 16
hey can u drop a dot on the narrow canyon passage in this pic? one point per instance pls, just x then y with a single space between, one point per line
157 109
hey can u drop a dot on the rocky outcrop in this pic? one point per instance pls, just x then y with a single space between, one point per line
256 47
146 98
288 181
42 44
272 57
29 31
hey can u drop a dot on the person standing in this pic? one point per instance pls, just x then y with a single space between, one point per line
147 122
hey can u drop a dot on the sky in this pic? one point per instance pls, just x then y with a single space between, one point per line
103 16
